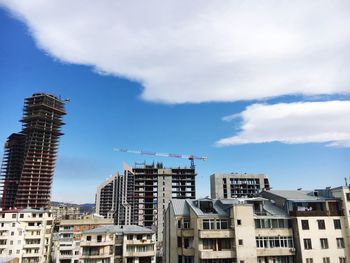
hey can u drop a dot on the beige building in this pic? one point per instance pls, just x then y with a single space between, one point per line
117 244
227 231
65 212
25 235
236 185
320 222
66 241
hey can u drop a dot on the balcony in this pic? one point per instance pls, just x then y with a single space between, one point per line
94 243
210 254
139 242
150 253
185 232
223 233
96 255
317 213
186 251
264 252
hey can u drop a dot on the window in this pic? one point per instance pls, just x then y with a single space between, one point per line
239 222
348 196
224 243
326 260
179 242
324 243
309 260
307 243
179 223
337 224
208 243
240 242
21 215
321 224
88 238
340 242
130 237
305 224
187 223
99 238
13 215
342 260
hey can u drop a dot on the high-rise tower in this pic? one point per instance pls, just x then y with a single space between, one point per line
29 158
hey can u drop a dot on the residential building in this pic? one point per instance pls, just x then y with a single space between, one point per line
117 244
106 196
25 235
320 227
67 237
245 230
65 212
236 185
29 157
142 193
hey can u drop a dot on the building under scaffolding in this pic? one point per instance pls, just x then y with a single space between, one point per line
29 156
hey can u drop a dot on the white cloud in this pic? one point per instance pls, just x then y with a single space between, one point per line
197 51
302 122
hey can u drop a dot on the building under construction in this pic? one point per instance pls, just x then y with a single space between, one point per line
29 157
142 193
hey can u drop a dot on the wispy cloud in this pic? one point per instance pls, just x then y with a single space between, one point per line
294 123
197 51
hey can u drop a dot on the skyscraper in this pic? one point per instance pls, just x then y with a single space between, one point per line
29 156
142 193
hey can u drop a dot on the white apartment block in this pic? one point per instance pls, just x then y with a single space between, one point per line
227 231
25 235
320 222
66 241
236 185
118 244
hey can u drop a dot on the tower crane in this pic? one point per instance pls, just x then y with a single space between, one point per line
190 157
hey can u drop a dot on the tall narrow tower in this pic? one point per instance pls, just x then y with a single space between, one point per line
29 159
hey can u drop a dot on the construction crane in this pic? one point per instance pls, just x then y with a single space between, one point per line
190 157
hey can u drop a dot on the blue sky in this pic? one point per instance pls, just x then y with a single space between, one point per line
108 110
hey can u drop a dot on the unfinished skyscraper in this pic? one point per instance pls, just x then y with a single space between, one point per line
29 157
235 185
143 192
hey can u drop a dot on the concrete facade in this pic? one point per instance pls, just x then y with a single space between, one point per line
320 222
236 185
227 231
117 244
25 235
66 240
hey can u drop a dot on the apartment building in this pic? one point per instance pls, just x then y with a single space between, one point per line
106 196
67 237
236 185
65 212
142 193
29 156
25 235
320 222
208 230
117 244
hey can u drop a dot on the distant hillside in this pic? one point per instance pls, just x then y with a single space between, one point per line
84 208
